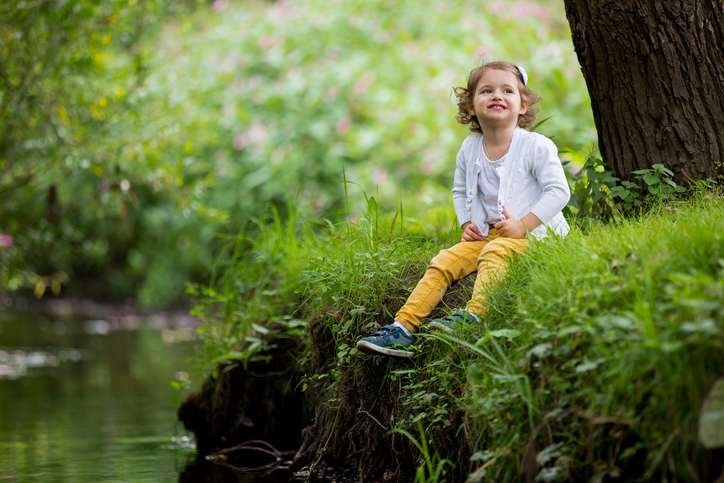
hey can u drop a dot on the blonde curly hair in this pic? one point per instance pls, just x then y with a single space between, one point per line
465 97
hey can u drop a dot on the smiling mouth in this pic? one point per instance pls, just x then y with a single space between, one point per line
496 107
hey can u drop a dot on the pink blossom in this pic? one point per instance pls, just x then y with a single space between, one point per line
334 52
6 240
343 125
280 10
524 9
240 142
428 167
482 52
220 5
269 41
361 86
331 94
379 177
518 9
257 133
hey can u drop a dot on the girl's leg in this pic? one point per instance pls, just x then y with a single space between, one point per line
448 266
492 264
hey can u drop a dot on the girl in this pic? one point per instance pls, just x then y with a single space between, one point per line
509 185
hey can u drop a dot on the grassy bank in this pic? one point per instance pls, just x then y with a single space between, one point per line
592 364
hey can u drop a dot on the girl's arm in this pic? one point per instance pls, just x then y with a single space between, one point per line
548 171
460 185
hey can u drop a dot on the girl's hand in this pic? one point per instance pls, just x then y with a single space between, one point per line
471 233
510 227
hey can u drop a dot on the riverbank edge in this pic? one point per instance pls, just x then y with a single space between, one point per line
360 426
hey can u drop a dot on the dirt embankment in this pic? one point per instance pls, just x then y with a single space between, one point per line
340 426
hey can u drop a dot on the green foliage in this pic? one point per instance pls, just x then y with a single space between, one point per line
597 196
432 468
659 182
711 420
256 280
159 125
617 334
76 207
585 342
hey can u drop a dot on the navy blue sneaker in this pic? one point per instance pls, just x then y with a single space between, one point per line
390 340
454 323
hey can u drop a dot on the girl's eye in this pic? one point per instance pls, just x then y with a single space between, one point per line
508 91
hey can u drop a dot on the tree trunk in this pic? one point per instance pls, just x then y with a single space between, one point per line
655 73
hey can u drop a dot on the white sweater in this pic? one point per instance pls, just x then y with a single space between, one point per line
532 181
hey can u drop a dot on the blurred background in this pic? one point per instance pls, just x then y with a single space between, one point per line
136 136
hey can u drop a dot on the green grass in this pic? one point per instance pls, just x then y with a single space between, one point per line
601 348
595 357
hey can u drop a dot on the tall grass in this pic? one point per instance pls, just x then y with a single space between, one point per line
592 361
619 331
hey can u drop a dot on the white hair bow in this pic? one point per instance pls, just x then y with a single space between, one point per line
523 74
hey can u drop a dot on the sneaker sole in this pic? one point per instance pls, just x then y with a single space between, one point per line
375 350
444 328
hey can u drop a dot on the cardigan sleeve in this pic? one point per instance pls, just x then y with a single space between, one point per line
548 170
460 197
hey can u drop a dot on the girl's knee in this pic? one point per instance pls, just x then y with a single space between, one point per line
503 248
461 251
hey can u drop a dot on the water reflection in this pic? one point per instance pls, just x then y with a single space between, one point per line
91 399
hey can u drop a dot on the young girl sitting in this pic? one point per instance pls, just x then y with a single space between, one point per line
509 184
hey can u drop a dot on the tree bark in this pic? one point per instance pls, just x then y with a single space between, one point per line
655 74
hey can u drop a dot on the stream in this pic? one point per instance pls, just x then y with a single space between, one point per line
90 399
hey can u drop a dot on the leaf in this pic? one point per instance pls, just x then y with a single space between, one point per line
540 350
482 456
231 356
589 365
483 340
510 334
477 375
711 420
650 179
548 453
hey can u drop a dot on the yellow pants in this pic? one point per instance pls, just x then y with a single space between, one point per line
488 257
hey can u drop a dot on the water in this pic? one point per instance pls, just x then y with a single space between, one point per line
89 400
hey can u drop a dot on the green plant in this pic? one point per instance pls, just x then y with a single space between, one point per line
432 469
658 180
598 196
610 325
181 122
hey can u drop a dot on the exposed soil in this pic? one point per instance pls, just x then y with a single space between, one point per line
342 431
256 402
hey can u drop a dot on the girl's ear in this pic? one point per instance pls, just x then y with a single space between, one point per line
523 107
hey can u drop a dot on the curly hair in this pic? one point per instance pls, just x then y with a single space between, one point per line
465 95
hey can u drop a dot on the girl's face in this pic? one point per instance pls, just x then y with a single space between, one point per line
497 102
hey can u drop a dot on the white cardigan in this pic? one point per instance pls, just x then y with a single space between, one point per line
532 181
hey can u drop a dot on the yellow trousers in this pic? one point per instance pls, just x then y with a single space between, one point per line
488 257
